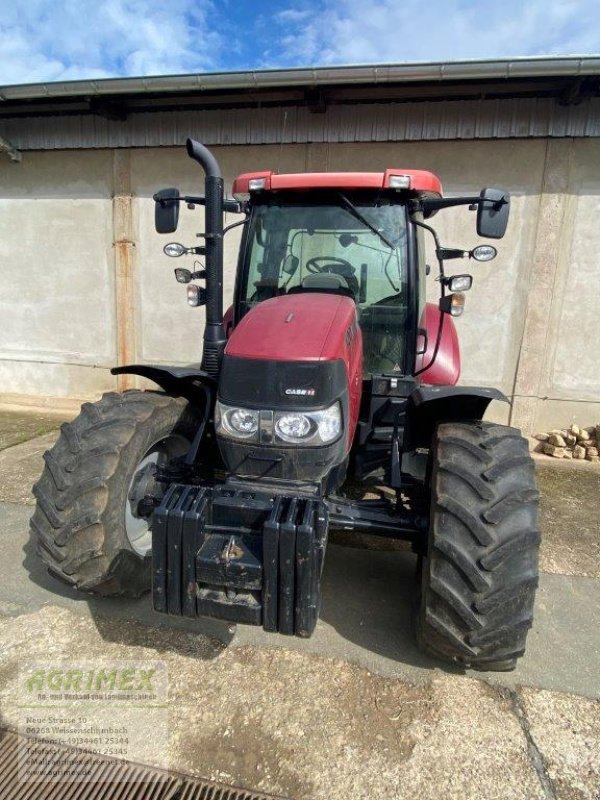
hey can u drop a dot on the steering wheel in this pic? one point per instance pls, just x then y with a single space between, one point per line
312 265
334 266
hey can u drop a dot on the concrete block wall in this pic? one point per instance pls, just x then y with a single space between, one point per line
85 284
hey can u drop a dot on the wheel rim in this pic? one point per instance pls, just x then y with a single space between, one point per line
137 529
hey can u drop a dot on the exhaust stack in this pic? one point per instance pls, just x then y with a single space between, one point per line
214 332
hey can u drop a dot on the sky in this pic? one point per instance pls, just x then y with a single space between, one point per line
53 40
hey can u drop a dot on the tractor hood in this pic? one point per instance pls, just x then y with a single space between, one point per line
298 355
295 327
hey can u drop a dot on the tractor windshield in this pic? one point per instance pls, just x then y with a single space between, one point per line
348 244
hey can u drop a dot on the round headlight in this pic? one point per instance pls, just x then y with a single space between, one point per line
242 421
293 427
238 423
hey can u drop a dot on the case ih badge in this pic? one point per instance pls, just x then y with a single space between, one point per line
301 392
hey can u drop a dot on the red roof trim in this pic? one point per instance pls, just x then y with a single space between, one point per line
420 180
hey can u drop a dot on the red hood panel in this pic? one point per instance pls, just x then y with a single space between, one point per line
296 327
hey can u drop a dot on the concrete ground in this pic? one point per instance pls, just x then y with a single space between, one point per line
17 427
356 711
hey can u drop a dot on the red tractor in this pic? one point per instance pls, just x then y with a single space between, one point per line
329 370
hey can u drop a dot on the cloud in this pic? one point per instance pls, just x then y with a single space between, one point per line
42 40
363 31
293 15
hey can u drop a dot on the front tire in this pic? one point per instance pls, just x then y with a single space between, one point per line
480 573
82 521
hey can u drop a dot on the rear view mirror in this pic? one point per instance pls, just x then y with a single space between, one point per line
166 210
492 213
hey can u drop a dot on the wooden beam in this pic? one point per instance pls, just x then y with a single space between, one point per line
124 248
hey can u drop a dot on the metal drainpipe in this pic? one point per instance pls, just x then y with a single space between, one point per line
214 332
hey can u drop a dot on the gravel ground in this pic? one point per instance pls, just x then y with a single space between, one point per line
310 727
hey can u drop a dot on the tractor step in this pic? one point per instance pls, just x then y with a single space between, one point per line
239 555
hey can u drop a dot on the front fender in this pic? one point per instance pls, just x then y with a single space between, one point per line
197 386
445 368
429 405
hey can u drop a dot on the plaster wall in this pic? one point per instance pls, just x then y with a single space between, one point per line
531 321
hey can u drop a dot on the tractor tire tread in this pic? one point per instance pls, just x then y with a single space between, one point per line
481 572
70 525
478 484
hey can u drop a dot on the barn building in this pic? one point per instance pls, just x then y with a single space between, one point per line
85 284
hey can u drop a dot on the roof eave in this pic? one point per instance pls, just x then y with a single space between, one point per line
499 69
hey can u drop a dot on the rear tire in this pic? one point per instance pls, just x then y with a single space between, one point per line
480 573
79 524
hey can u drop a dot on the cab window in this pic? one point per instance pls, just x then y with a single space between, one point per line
357 251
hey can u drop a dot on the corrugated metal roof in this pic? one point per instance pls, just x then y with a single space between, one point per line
474 69
376 122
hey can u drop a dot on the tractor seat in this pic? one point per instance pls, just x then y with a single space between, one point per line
324 282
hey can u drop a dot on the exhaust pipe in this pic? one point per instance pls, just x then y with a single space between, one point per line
214 332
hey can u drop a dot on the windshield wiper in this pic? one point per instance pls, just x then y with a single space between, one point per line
356 213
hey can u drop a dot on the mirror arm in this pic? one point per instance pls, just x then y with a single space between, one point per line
233 206
163 202
430 206
451 252
438 338
438 247
235 224
197 201
435 204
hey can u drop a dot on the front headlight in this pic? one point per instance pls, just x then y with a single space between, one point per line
239 423
292 427
309 427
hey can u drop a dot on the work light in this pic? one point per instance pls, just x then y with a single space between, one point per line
256 184
399 181
459 283
484 252
174 250
183 275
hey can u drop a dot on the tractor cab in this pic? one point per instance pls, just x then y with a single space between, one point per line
339 233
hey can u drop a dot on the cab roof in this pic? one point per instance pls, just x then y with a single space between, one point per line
416 181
